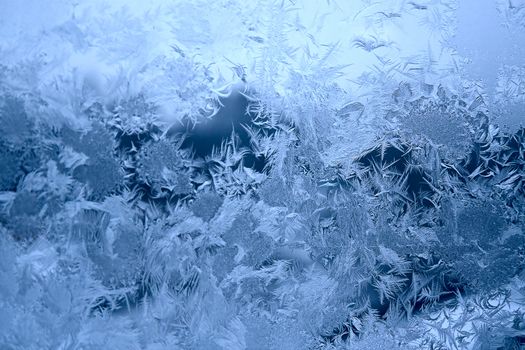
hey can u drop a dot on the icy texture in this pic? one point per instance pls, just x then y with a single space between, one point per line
268 174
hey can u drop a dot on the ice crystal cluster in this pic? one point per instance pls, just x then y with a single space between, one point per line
267 174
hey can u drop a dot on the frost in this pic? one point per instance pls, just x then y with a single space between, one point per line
262 175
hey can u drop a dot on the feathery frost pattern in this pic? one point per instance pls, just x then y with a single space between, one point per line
268 174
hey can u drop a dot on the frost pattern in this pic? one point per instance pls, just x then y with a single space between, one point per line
262 175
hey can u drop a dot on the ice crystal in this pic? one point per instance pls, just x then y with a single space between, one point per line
262 175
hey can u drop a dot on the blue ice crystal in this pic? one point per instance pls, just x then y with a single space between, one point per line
269 174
